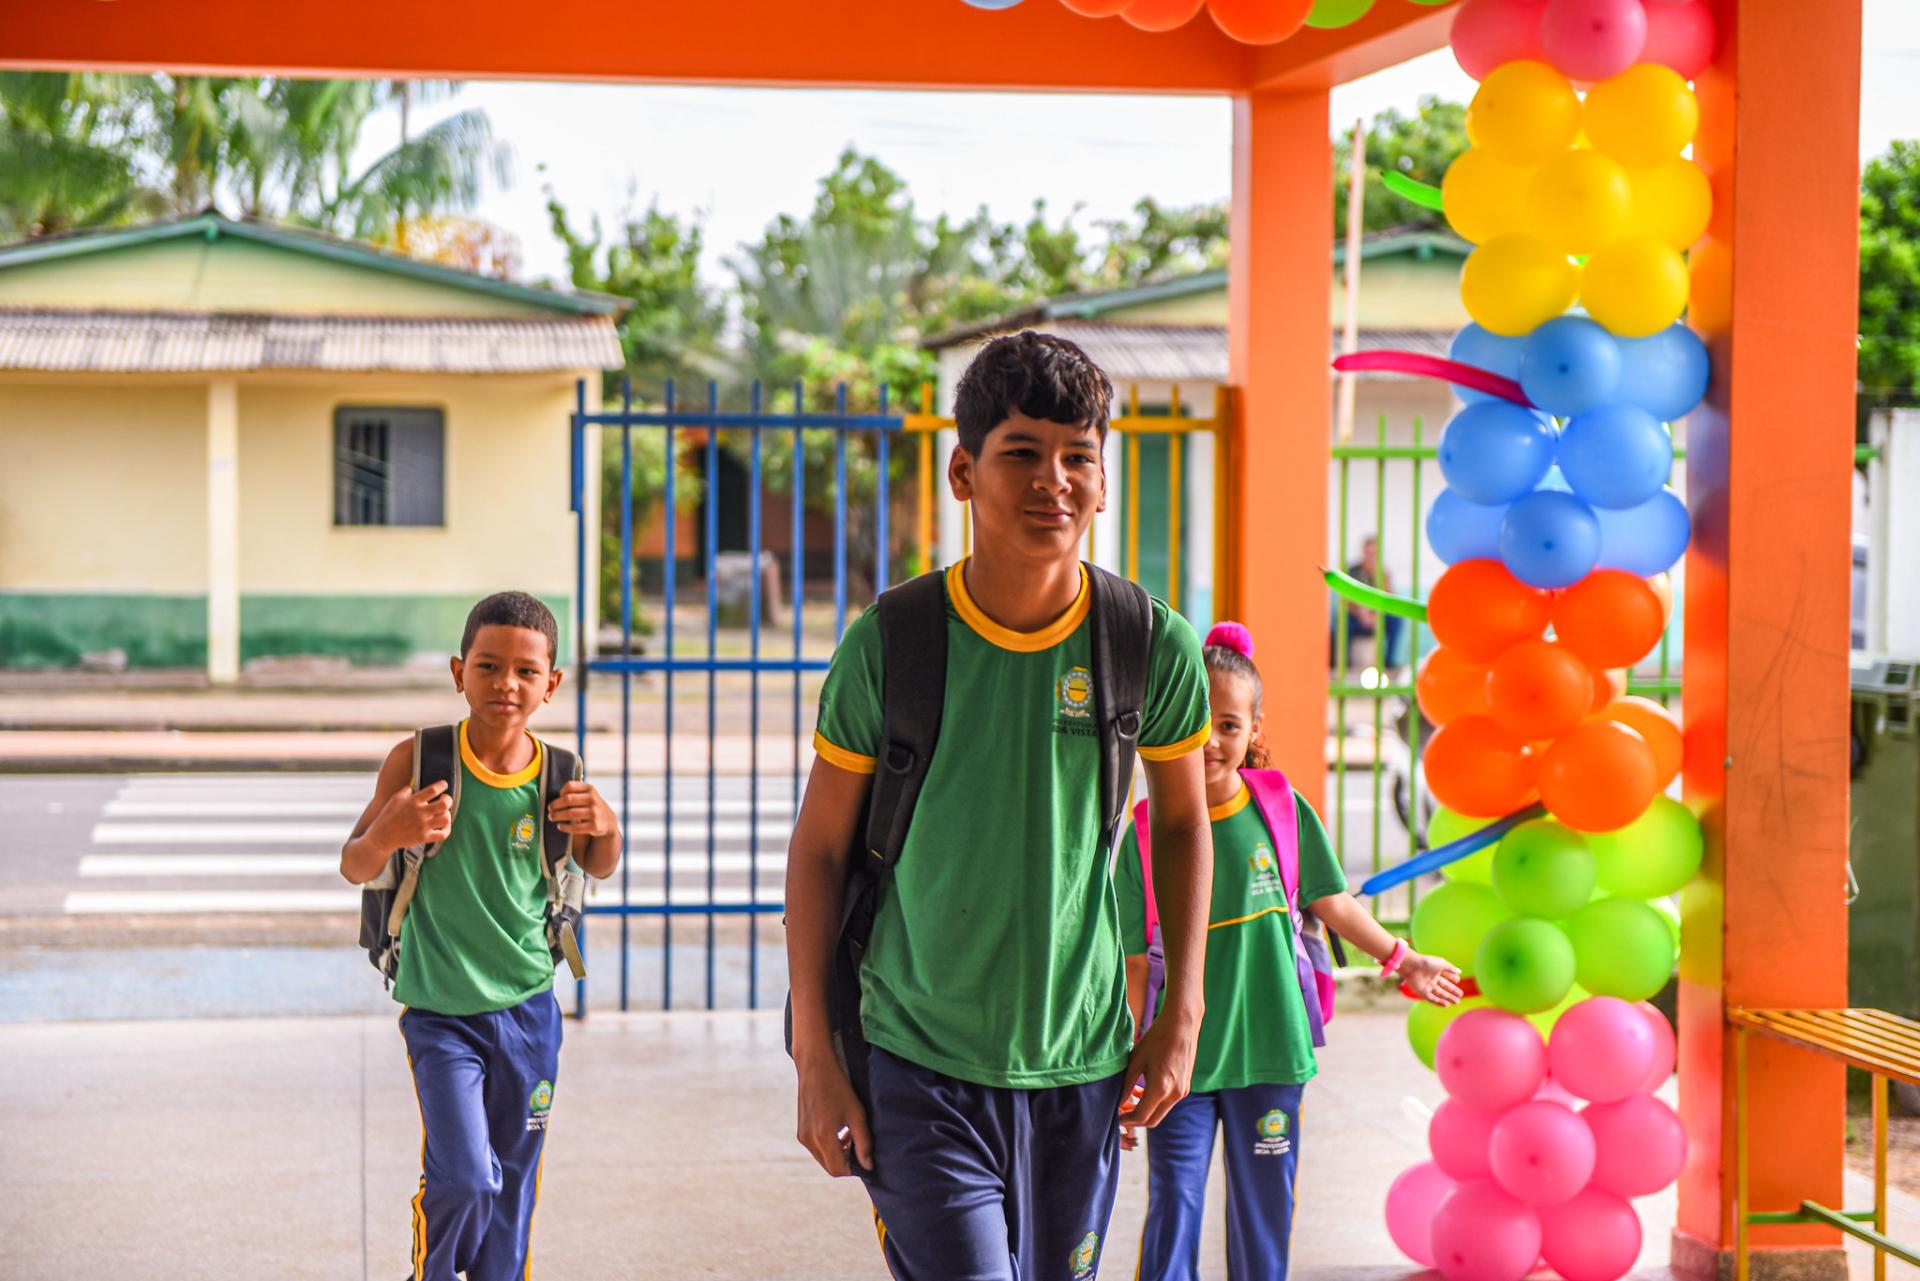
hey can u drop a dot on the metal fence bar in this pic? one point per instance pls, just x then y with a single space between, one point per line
713 654
882 459
626 677
666 817
754 539
581 648
840 519
799 573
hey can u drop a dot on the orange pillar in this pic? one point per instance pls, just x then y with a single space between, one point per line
1279 298
1767 618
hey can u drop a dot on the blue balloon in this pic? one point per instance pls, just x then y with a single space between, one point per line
1550 539
1495 451
1460 530
1570 365
1645 540
1485 350
1665 374
1554 479
1616 456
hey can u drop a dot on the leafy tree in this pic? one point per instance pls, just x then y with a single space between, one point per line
68 154
1889 369
1421 146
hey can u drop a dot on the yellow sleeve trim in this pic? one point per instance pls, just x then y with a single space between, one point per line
1175 751
852 762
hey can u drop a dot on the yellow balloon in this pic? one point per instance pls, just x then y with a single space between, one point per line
1515 283
1524 113
1642 117
1579 201
1635 286
1484 196
1671 202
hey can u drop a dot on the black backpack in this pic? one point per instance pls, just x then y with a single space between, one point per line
384 899
913 648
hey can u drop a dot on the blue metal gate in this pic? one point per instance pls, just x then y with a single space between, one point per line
648 784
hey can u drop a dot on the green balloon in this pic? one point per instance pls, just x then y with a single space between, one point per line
1525 965
1338 13
1426 1021
1671 915
1445 828
1542 868
1452 918
1545 1019
1653 856
1621 948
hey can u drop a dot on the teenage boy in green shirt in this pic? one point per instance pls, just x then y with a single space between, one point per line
993 989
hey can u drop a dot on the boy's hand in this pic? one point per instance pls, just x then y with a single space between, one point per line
580 810
1159 1071
832 1123
1431 978
414 818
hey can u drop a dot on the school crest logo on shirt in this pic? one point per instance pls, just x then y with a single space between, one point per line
1266 873
1076 694
539 1105
1084 1256
1272 1131
521 838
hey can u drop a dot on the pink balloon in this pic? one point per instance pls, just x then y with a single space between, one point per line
1412 1201
1490 33
1541 1153
1458 1138
1601 1049
1593 39
1680 36
1490 1059
1593 1237
1482 1234
1639 1145
1665 1052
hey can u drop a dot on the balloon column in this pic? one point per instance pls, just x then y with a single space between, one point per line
1248 21
1558 529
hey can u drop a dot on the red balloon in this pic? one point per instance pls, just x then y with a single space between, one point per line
1680 36
1479 609
1161 15
1479 770
1598 777
1450 687
1490 33
1539 689
1096 8
1610 618
1260 21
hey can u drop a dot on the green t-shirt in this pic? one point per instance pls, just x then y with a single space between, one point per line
475 935
995 955
1255 1030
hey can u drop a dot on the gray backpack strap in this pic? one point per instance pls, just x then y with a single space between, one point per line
566 883
1122 645
436 759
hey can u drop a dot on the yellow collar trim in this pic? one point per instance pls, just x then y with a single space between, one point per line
487 776
1239 802
1006 638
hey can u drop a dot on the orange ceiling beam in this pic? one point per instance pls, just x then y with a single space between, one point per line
1392 32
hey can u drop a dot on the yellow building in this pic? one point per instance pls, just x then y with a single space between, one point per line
225 440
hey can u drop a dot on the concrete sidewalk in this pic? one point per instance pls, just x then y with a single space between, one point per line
288 1148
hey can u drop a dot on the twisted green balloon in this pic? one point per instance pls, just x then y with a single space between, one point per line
1423 194
1369 597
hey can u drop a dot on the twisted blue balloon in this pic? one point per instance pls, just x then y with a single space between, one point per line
1433 859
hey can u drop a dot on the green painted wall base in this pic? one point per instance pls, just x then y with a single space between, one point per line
49 630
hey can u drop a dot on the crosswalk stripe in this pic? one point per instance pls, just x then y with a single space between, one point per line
178 902
275 807
219 833
106 865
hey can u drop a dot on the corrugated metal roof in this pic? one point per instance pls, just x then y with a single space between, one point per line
97 341
1198 353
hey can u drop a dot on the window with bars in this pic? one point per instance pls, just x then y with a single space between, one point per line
389 465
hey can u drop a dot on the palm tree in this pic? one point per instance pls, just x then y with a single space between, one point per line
69 154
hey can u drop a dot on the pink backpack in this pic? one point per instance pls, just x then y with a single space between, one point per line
1312 961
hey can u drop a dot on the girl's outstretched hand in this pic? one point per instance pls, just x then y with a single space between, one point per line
1431 978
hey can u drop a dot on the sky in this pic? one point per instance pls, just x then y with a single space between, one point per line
738 157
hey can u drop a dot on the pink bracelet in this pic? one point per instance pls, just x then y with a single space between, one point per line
1393 960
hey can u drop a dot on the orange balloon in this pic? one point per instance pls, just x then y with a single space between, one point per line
1096 8
1161 15
1538 689
1479 770
1610 618
1661 729
1478 609
1609 686
1260 21
1598 777
1450 687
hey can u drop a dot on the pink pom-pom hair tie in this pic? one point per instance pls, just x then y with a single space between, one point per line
1233 636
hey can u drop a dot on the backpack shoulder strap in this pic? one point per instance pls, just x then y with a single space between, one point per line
436 759
913 664
1142 836
1273 796
1122 642
558 767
